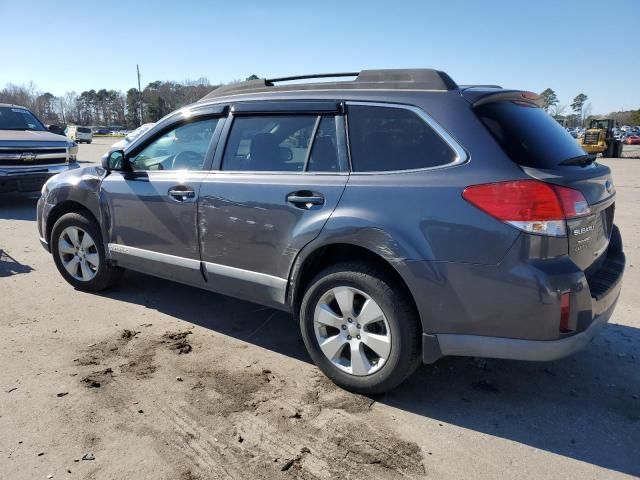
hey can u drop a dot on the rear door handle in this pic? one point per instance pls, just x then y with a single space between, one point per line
305 199
181 194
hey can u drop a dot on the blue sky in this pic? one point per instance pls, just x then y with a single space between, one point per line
66 45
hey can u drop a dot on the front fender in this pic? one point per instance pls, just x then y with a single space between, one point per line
80 186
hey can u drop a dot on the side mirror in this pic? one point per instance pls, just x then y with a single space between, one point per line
57 129
115 160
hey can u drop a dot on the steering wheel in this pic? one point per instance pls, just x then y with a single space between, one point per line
188 160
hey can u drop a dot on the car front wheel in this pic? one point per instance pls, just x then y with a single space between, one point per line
78 252
360 328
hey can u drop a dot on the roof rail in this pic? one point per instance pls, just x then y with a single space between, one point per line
399 79
464 87
314 75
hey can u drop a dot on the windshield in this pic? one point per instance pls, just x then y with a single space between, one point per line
601 124
530 136
15 118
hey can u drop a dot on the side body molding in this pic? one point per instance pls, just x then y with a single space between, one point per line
220 278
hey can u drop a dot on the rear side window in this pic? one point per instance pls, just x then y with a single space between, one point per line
528 134
281 143
390 138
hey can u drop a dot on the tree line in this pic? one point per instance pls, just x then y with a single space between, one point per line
113 107
581 110
108 107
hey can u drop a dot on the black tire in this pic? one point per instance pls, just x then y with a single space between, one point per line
106 275
404 325
89 142
610 151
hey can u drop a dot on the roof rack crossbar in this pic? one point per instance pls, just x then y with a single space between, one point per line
315 75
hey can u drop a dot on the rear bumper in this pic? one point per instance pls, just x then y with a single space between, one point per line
513 348
30 179
594 147
526 327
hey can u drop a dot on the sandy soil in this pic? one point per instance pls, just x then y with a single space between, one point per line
159 380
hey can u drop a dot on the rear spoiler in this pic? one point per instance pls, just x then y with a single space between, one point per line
482 97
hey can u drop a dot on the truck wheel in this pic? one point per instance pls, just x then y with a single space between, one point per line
360 328
78 252
608 152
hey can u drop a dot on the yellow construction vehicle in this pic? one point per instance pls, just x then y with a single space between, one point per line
599 138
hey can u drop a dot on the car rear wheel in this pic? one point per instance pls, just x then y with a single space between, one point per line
78 252
360 328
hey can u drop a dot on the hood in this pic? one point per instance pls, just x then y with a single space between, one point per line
31 138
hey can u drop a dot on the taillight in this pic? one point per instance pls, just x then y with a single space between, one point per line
573 202
530 205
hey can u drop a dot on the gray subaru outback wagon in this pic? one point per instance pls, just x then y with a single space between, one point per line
400 217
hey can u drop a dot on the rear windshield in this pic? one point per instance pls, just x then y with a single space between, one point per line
84 130
528 134
14 118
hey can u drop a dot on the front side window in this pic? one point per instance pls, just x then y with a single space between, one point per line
183 148
391 138
324 151
281 143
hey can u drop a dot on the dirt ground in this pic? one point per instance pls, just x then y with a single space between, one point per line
159 380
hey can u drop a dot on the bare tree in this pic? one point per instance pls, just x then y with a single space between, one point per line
559 110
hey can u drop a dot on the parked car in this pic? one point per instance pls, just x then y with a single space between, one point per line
79 134
632 140
131 136
397 216
103 131
30 153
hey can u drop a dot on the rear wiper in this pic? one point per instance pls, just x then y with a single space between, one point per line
580 160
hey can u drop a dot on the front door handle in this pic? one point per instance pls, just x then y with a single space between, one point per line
305 199
181 194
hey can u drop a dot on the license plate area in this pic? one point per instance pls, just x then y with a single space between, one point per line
589 237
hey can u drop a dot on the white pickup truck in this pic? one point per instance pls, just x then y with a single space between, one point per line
29 152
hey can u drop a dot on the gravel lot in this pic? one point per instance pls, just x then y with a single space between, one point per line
631 151
159 380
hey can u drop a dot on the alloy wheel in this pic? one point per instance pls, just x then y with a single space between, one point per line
352 331
78 253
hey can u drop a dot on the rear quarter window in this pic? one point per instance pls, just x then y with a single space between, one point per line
393 138
528 135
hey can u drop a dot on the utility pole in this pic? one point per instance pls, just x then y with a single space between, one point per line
64 117
139 93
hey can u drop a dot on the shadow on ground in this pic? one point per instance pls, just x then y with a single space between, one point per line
14 206
10 266
585 407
